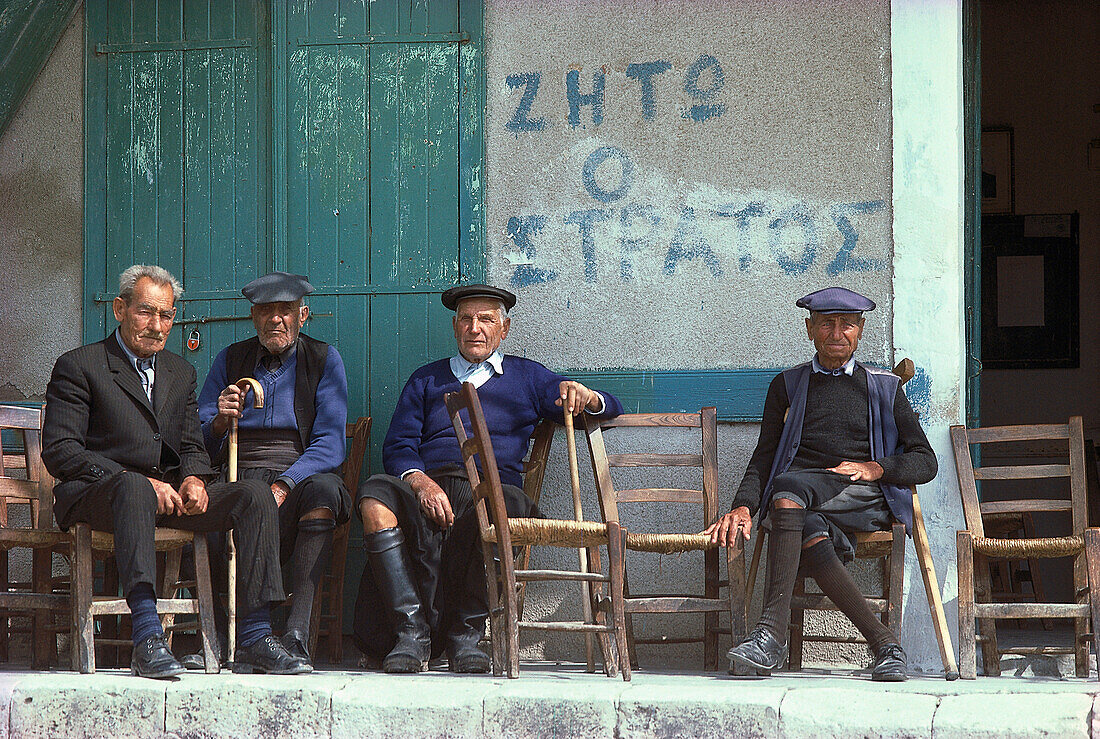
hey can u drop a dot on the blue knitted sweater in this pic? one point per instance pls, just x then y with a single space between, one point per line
421 435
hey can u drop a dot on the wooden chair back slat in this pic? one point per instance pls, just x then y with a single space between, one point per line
666 420
997 507
994 434
21 490
655 460
534 467
359 433
17 417
1022 472
660 495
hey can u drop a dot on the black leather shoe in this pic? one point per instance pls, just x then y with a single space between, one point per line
295 642
760 652
153 658
889 665
465 655
270 656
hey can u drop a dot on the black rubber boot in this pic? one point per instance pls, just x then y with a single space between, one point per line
392 571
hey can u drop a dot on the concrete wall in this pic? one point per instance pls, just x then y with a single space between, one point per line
41 211
671 226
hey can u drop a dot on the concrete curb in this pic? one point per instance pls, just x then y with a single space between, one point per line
543 702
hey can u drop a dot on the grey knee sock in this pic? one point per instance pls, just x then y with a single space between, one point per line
837 584
784 548
312 554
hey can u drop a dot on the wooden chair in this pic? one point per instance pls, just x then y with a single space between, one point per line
975 549
503 533
534 471
327 616
711 602
889 548
40 600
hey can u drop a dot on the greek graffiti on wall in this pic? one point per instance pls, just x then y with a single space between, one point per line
616 228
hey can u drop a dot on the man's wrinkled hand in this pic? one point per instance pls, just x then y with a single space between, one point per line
575 398
279 491
433 501
869 471
169 501
725 531
194 496
230 402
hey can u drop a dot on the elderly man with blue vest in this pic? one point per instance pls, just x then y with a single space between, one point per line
423 591
839 445
295 443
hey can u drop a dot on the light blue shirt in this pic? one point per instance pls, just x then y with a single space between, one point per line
480 373
146 368
847 368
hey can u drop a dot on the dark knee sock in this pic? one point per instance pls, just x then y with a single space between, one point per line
312 554
144 621
837 584
784 547
255 626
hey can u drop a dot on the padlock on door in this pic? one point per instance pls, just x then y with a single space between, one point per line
194 340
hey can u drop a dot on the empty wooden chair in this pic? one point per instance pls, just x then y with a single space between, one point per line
37 600
710 601
499 534
975 549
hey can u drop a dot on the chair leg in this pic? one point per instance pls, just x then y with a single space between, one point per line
754 566
207 630
1081 625
83 648
42 634
896 564
5 615
616 564
797 627
987 627
631 647
738 595
1092 566
710 619
968 660
608 647
169 586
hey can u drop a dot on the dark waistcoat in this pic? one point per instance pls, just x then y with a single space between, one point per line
241 360
882 385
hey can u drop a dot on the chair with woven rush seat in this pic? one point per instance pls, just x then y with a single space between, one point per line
38 599
975 549
888 547
327 616
503 533
711 602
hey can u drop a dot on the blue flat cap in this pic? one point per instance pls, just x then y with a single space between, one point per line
452 297
277 287
835 300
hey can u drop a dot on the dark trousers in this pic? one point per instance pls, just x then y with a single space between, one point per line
125 504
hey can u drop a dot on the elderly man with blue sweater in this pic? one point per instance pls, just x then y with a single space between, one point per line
295 443
423 590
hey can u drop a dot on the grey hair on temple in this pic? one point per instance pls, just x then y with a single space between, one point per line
129 278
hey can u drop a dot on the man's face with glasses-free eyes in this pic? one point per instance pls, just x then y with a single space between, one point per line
146 318
835 336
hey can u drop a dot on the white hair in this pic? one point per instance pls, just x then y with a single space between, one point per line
130 276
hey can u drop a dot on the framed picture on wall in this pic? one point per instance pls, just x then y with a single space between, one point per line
998 171
1030 278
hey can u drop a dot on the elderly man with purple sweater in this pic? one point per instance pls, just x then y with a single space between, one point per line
423 590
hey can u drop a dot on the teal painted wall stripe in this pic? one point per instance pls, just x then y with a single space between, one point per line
738 394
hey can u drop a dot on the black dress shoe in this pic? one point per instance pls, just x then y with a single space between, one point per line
295 643
153 658
760 652
270 656
889 665
465 655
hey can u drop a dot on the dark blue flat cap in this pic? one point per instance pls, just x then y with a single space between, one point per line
277 287
835 300
452 297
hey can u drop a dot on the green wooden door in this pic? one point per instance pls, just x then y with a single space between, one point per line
341 139
175 137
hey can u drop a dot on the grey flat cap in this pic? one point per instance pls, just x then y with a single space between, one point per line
277 287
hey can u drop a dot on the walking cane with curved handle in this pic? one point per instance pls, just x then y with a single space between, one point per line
245 383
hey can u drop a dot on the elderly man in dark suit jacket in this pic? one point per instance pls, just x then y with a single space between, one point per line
122 438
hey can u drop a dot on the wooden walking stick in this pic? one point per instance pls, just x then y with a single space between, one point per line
578 514
231 549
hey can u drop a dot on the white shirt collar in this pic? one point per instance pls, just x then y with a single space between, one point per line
480 372
847 368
